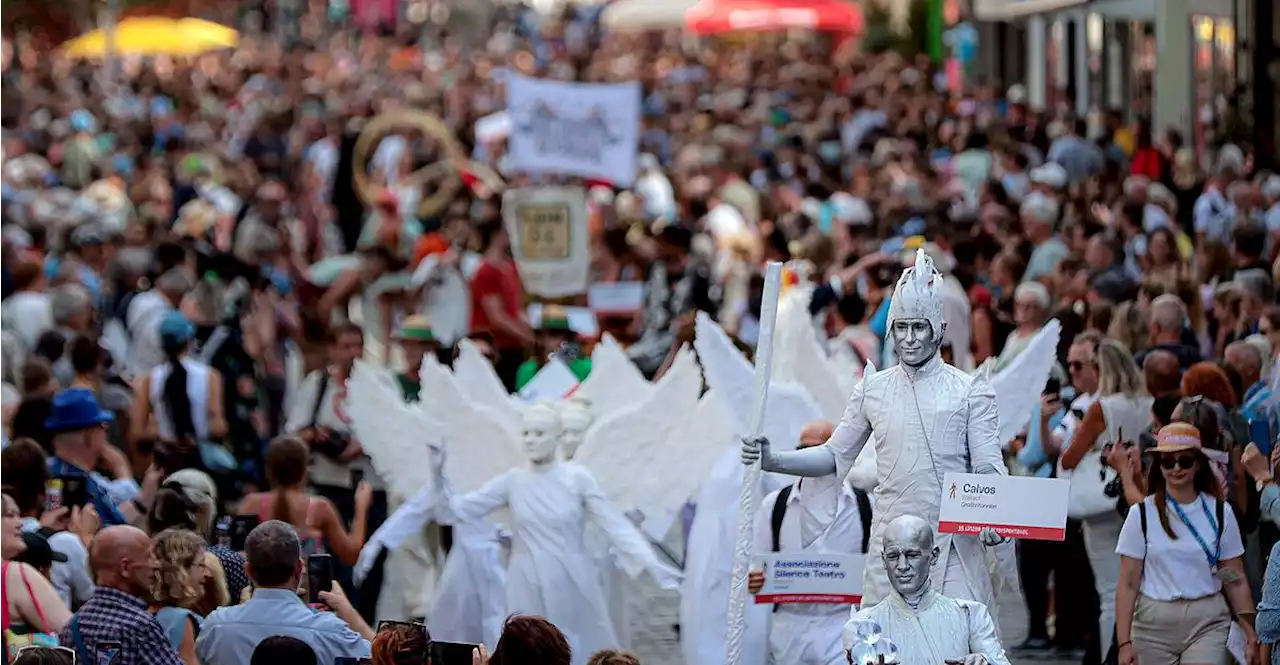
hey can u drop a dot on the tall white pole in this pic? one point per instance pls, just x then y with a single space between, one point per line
747 500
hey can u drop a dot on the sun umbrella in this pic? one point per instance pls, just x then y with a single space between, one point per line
639 15
155 35
713 16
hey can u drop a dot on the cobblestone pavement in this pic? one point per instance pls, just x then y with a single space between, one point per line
655 613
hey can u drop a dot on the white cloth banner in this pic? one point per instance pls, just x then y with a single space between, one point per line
1004 10
548 230
584 129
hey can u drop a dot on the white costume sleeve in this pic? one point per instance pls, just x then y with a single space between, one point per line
982 633
985 454
460 508
632 551
852 433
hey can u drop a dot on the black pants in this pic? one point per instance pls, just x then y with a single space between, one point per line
507 365
1037 559
364 597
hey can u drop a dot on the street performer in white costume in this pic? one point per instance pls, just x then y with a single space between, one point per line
927 627
927 418
820 516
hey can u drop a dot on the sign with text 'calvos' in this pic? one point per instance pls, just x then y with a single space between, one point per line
1015 506
811 578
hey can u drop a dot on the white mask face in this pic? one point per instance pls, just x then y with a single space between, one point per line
914 341
574 421
540 433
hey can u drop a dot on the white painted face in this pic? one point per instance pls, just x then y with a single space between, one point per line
540 433
575 418
914 341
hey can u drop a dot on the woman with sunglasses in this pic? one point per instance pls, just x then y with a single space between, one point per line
1181 571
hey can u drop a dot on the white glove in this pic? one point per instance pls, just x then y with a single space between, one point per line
754 448
990 538
364 563
667 577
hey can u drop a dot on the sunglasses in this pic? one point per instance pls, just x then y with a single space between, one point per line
1182 462
36 648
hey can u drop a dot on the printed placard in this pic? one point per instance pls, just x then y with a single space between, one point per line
553 382
802 577
548 231
616 298
1016 507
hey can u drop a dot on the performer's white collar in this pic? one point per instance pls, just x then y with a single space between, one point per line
926 600
928 368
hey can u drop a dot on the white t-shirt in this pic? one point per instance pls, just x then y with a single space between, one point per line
28 315
1178 569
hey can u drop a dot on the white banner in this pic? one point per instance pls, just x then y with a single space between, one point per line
584 129
548 229
1004 10
1015 506
811 578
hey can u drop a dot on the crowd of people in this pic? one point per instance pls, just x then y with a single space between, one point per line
190 275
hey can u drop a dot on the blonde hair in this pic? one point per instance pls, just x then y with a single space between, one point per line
1117 372
1128 325
177 550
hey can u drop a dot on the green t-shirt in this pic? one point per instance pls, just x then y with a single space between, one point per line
409 387
581 367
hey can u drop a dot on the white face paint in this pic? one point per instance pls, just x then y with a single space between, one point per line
914 341
575 418
540 433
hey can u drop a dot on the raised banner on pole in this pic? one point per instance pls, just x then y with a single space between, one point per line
1016 507
590 130
811 578
549 239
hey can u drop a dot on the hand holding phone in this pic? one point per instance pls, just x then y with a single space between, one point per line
453 653
319 577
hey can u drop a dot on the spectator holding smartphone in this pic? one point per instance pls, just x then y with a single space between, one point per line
230 635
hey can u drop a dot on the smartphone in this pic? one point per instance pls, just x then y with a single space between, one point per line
319 576
357 477
107 653
1053 386
451 653
233 530
65 492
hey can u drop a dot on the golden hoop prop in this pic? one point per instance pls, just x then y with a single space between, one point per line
447 172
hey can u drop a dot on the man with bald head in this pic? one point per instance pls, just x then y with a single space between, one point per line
823 515
927 627
1264 423
114 626
1162 372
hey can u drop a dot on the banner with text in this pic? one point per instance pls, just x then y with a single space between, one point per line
548 230
811 578
1016 507
584 129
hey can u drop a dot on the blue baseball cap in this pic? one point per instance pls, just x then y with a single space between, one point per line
175 329
76 409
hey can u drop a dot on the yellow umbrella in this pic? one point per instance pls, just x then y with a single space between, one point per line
155 35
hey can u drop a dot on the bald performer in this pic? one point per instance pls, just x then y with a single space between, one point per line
1257 406
823 515
1162 372
927 627
114 626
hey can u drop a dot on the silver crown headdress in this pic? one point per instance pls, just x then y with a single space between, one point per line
918 294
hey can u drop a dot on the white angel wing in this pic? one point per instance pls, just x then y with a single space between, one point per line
479 446
641 456
478 380
396 435
800 359
1018 386
614 382
788 408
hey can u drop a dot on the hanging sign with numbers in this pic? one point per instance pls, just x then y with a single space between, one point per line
548 229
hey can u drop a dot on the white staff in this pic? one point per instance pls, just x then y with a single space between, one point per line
747 501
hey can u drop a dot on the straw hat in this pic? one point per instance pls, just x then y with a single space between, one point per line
1177 437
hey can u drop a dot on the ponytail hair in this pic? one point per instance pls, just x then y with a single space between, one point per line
177 401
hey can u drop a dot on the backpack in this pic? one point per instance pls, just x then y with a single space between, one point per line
1218 511
780 511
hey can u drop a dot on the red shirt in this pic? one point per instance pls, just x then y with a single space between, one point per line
499 279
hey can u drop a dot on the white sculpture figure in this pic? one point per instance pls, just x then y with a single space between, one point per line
927 627
575 418
550 572
927 418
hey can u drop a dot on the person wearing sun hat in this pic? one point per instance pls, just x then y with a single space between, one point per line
417 339
1181 554
78 425
554 338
